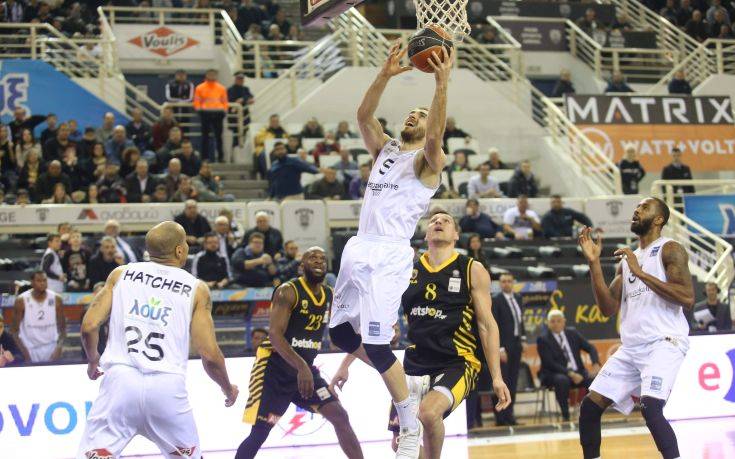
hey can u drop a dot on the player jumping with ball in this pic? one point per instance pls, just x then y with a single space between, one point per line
377 263
651 287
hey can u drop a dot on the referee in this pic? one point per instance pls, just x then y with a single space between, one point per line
210 100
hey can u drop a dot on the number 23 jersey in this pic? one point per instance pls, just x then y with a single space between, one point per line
150 319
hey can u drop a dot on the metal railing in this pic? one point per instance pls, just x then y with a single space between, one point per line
666 189
235 122
714 56
162 16
268 59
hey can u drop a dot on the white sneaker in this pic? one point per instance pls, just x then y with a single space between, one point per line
409 443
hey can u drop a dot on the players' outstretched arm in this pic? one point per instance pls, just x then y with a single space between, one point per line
283 303
437 120
205 342
372 131
678 287
607 297
488 330
96 315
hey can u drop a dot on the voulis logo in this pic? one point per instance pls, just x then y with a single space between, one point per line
163 41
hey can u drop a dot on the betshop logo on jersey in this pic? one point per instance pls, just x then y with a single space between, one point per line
421 311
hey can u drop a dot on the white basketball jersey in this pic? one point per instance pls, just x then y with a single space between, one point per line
395 199
644 315
38 327
150 319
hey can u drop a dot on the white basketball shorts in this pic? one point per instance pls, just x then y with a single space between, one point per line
132 403
41 353
373 275
645 370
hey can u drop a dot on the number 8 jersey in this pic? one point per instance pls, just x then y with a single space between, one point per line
150 319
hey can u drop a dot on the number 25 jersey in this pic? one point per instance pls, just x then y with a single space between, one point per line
150 319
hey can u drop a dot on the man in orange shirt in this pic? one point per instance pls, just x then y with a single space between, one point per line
210 100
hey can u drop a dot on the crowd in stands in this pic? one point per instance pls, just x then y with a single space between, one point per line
700 19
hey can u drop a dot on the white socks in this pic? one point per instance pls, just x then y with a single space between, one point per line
406 410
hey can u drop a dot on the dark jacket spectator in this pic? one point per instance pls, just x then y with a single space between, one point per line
564 85
287 267
21 122
11 354
523 182
479 222
251 266
140 184
239 93
678 171
161 128
328 187
180 89
631 172
679 85
48 180
247 14
696 27
358 185
190 162
284 176
618 84
684 13
452 131
111 186
116 145
312 130
54 147
138 131
559 220
710 314
50 131
75 264
104 261
195 225
670 12
273 239
208 265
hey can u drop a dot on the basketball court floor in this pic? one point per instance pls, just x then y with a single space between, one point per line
698 439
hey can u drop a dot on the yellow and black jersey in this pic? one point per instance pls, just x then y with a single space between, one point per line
309 314
441 316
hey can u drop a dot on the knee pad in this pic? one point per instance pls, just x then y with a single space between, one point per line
652 409
589 411
381 355
344 336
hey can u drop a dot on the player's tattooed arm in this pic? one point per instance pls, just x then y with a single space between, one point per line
678 287
283 303
19 310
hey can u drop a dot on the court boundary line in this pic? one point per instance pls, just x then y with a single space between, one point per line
552 436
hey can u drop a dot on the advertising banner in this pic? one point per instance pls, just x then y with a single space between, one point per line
170 42
714 212
701 127
46 420
536 35
307 223
612 214
272 208
707 376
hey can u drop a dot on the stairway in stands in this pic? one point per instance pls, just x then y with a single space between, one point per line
236 180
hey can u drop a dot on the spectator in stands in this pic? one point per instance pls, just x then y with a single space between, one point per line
684 13
474 249
21 121
621 22
226 241
190 163
520 222
523 182
172 145
312 130
59 195
251 266
173 176
272 237
97 162
678 171
25 144
711 315
104 132
720 21
112 230
254 33
343 131
75 262
210 100
180 89
358 185
208 186
696 27
712 16
327 146
328 187
617 84
22 197
280 20
475 221
195 225
483 185
104 261
111 186
562 367
726 32
494 161
51 263
87 143
488 36
8 165
138 131
9 351
274 130
186 191
160 194
287 266
236 227
239 93
458 164
679 84
670 12
75 135
54 147
51 127
257 336
631 171
452 131
346 168
209 266
76 169
559 220
248 15
130 158
117 144
293 145
30 173
48 180
564 85
161 128
140 185
589 23
273 34
284 176
384 124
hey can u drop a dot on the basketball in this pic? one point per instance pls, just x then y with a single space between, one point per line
426 41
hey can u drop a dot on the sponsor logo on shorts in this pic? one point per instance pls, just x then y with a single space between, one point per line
306 344
101 453
421 311
183 451
656 383
343 306
374 329
323 393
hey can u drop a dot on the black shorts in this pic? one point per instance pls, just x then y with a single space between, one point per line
459 380
273 387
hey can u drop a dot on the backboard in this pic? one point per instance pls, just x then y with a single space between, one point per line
317 12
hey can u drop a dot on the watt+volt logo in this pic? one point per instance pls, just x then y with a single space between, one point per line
13 93
60 418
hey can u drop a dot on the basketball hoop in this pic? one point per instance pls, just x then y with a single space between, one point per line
449 14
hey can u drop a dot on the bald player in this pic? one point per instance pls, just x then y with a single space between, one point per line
153 309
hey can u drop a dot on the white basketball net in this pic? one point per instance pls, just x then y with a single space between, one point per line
449 14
